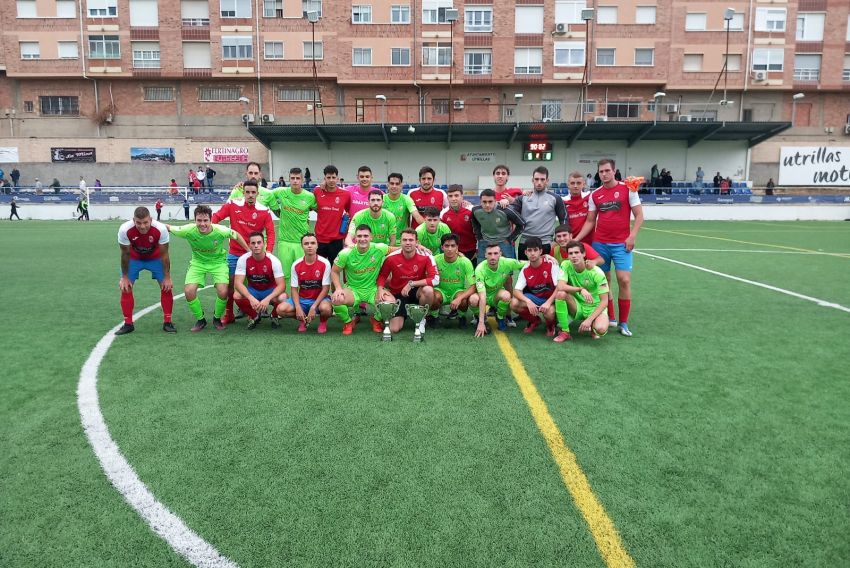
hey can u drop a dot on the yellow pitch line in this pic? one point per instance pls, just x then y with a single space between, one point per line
602 529
748 242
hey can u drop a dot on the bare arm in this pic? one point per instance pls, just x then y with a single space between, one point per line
166 267
637 211
589 224
124 283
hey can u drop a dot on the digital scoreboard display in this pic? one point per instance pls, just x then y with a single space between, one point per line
537 152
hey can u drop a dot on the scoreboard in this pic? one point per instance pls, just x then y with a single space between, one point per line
537 152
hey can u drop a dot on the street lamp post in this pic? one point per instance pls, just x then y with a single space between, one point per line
587 17
657 96
245 101
451 18
383 99
727 18
313 18
794 100
517 100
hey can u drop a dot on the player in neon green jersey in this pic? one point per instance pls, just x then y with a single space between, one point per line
491 277
361 265
295 206
400 205
430 232
582 295
381 221
457 279
209 244
265 196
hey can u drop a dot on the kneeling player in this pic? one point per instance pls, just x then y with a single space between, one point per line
360 264
490 279
265 282
309 285
410 276
534 293
457 279
582 295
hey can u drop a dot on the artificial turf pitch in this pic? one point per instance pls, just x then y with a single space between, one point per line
716 436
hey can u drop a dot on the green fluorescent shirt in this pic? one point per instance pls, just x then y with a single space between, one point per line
209 249
382 227
455 276
431 241
593 280
294 213
264 197
491 281
401 208
361 269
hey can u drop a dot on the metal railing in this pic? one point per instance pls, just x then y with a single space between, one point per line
195 22
806 74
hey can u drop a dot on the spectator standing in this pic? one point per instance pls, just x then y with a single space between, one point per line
716 182
186 208
38 187
14 212
700 176
724 186
618 176
15 174
210 176
202 178
588 181
193 180
653 176
173 187
83 185
158 207
307 177
57 187
97 184
768 189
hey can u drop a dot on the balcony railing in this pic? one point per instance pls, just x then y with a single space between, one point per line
806 74
845 75
484 69
196 22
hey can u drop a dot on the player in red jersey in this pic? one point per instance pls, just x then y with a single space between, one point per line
609 214
360 192
265 282
246 216
332 203
426 195
144 246
409 275
577 203
504 195
534 293
310 285
459 220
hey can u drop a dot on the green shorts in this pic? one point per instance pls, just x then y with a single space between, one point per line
448 297
288 253
583 310
197 273
365 296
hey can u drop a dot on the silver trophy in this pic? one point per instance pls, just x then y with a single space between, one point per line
388 310
417 313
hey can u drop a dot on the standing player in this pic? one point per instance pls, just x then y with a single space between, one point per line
609 214
381 221
410 276
432 231
541 210
427 195
400 205
582 295
495 225
144 246
295 206
246 216
310 285
361 265
491 277
265 195
504 195
360 193
534 293
265 282
457 279
332 203
209 257
577 203
459 220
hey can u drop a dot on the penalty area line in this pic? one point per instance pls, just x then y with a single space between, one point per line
165 524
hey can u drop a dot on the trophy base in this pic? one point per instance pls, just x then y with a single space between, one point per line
387 337
418 337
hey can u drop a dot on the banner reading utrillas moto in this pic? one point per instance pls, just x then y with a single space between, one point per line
814 165
226 155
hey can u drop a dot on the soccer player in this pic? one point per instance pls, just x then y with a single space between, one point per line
459 220
495 225
609 214
534 293
426 195
246 216
295 206
144 246
408 275
361 265
559 250
457 279
490 280
582 295
265 195
504 195
432 231
360 193
541 211
381 221
577 205
265 282
310 286
332 203
400 205
209 257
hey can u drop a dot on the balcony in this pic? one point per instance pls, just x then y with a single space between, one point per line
195 22
807 75
197 72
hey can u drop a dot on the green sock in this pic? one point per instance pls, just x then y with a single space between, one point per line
342 313
563 315
195 308
220 306
502 309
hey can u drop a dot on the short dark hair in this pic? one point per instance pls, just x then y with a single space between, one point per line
492 244
141 213
376 192
364 169
250 182
203 210
574 244
396 175
294 171
249 164
488 193
363 227
410 231
502 167
455 187
427 170
533 243
256 234
307 235
430 212
541 170
330 169
448 237
563 228
604 161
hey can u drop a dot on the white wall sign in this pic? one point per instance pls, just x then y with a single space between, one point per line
478 157
9 155
225 155
814 165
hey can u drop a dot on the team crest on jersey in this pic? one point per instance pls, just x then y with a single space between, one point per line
432 200
466 217
415 267
336 200
150 238
545 274
265 268
254 215
317 274
616 194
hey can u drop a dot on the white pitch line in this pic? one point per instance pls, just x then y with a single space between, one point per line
738 250
817 301
124 478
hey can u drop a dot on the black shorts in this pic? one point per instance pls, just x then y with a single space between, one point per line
407 300
331 250
473 256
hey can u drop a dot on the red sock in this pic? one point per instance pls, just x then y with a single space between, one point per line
167 301
526 315
323 318
228 311
246 308
611 315
624 306
127 303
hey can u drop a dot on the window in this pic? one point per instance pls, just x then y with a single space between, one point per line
314 50
218 94
848 29
26 9
197 55
845 73
311 6
694 22
301 95
529 20
733 62
605 56
144 13
361 14
768 59
400 14
550 109
158 94
644 57
104 47
569 53
273 50
28 106
434 11
59 106
478 19
436 55
145 54
692 62
103 8
747 115
736 24
623 110
272 9
569 12
528 61
590 107
770 19
606 15
237 47
440 106
645 15
361 56
195 13
30 50
478 61
400 56
359 110
810 27
704 115
807 67
235 8
68 50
